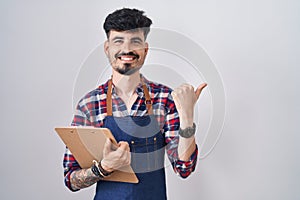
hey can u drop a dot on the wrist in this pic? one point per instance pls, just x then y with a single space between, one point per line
187 132
95 169
186 124
186 119
105 167
98 170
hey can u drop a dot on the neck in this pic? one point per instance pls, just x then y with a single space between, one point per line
125 85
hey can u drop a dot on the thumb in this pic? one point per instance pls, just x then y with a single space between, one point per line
107 147
199 89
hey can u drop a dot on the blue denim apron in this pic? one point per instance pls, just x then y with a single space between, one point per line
147 144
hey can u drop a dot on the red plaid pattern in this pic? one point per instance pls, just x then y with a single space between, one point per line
91 111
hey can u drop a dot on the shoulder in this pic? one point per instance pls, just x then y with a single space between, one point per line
161 93
97 94
155 87
161 97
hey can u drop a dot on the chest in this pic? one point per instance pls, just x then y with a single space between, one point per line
128 101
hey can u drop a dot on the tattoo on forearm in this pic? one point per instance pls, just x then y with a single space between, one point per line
83 178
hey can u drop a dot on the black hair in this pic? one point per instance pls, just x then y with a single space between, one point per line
127 19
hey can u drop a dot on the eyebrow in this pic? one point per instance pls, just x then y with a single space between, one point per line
118 38
137 38
122 38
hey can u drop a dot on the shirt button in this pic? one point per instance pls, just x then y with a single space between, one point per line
132 142
154 138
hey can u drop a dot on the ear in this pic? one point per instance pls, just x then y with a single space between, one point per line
146 48
106 47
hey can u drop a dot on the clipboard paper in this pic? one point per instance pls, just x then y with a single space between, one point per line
86 145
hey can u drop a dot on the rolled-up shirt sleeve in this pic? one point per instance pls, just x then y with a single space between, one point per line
70 165
185 168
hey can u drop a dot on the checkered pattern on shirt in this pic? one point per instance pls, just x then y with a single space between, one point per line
91 111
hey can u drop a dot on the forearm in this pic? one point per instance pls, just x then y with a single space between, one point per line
186 146
83 178
182 152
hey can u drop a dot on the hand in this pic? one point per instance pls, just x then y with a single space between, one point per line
115 158
185 99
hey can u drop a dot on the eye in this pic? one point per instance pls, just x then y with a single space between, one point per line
118 41
137 42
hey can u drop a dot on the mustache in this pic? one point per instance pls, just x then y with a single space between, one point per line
127 54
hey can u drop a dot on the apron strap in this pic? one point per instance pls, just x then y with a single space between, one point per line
109 99
148 100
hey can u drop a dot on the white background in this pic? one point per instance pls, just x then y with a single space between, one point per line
254 45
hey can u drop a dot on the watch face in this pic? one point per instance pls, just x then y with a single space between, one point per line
188 132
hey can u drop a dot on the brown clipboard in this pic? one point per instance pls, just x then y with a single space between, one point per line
86 145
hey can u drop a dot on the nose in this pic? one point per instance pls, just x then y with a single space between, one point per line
126 47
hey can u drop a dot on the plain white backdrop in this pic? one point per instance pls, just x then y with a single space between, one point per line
254 45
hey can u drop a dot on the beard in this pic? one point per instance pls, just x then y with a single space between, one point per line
127 69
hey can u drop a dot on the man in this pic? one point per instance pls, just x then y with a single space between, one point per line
140 114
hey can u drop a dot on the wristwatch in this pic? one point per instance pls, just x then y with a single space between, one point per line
188 132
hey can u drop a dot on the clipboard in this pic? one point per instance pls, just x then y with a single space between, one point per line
86 144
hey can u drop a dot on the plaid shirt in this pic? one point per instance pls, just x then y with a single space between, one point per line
91 111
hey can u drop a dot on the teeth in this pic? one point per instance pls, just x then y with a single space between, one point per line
127 59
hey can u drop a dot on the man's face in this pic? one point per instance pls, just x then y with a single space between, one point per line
126 50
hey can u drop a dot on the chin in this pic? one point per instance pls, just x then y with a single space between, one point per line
127 69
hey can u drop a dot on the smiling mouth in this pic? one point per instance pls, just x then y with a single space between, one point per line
127 57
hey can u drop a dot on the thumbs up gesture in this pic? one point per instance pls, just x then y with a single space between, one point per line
185 98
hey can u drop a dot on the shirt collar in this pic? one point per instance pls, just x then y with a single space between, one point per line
139 89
